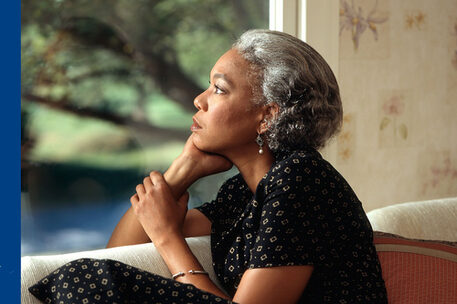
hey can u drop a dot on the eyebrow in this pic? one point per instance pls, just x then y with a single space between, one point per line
222 76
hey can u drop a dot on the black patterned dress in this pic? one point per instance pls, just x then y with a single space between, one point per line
302 213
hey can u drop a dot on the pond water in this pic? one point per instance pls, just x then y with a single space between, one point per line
60 226
68 228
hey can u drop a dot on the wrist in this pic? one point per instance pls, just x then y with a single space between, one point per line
187 165
169 241
180 175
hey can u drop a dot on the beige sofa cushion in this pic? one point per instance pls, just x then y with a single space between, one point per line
428 220
144 256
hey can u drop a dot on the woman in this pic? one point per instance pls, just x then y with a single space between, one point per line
288 228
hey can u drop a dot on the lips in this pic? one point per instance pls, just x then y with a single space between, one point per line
195 126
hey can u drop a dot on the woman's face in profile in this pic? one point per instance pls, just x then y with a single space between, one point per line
226 119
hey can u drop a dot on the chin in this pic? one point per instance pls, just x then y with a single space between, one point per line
205 145
201 144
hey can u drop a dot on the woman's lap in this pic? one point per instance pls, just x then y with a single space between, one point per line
109 281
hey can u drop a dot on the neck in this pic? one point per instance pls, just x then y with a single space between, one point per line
252 165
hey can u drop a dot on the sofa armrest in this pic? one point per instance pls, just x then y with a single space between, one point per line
143 256
428 220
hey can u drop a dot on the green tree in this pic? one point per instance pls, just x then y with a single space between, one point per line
108 87
75 52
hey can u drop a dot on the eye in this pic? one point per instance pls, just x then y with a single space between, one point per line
218 90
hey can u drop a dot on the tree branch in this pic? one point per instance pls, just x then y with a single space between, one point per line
172 81
169 77
143 127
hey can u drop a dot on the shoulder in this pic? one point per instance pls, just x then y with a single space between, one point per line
229 200
304 175
302 167
232 195
296 168
298 162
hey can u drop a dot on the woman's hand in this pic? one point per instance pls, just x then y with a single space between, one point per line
204 163
160 214
160 204
191 165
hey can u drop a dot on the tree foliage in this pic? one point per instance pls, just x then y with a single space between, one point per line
75 52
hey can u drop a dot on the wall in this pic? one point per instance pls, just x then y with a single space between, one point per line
398 79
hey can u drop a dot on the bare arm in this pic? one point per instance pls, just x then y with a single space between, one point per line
283 284
261 285
191 165
196 224
129 230
178 257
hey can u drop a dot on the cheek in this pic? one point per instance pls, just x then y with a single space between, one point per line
223 117
238 124
232 118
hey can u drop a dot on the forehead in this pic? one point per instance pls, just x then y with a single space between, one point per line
232 66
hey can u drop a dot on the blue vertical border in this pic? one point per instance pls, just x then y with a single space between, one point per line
10 204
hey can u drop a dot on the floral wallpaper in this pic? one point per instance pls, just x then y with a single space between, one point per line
398 81
346 138
415 20
353 19
394 118
441 174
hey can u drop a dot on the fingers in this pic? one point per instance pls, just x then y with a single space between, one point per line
156 178
134 199
140 190
147 183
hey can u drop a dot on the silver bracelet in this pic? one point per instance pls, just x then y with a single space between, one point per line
181 274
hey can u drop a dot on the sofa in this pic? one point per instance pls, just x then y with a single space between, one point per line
406 235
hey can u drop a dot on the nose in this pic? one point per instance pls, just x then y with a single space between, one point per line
200 102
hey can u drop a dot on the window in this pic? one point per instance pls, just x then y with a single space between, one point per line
107 96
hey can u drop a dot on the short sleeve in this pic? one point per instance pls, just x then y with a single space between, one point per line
208 209
291 230
230 197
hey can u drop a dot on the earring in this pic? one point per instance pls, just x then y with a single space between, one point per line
259 141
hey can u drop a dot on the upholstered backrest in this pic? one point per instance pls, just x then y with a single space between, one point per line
430 220
417 271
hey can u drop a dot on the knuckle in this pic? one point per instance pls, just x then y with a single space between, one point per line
155 173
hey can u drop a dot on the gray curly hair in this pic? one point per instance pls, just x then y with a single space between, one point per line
290 73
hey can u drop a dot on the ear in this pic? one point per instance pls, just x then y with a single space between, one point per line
269 114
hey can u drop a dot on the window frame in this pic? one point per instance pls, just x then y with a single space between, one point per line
313 21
